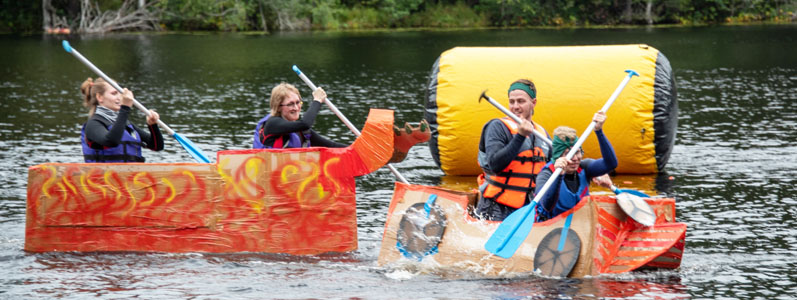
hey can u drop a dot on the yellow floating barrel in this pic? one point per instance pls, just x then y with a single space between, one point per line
573 83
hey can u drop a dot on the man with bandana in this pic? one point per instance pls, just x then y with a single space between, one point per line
573 182
511 156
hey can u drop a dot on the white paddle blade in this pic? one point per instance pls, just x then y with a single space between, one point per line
637 208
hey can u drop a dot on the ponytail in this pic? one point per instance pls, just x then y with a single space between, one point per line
90 88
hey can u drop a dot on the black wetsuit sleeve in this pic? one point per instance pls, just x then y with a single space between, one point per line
97 134
278 125
316 140
152 138
500 145
547 201
606 163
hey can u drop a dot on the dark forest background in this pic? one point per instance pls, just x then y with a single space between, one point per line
87 16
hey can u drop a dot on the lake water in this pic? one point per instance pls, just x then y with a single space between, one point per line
732 169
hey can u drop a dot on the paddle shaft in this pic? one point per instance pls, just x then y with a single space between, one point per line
344 119
632 192
187 145
616 190
582 138
514 117
570 155
544 138
117 87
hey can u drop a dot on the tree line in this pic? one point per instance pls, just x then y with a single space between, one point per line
87 16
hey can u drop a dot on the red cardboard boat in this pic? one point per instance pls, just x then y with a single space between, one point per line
295 201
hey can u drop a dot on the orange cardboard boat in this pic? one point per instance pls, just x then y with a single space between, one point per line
295 201
611 242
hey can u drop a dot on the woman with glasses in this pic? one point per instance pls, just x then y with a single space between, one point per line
285 126
573 182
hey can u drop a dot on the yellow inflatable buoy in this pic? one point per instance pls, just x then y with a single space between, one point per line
573 82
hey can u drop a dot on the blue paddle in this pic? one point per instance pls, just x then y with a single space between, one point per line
632 192
637 202
508 237
197 154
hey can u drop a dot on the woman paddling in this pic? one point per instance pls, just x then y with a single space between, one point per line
285 126
108 136
573 183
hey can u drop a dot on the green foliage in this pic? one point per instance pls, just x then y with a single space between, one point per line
708 11
228 15
458 15
326 14
265 15
20 16
399 9
362 18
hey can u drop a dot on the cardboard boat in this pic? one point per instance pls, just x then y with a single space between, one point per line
611 242
295 201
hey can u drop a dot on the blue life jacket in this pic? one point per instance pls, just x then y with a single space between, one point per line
128 150
294 140
564 198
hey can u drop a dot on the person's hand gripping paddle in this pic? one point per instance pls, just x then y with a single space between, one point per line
508 237
195 152
423 224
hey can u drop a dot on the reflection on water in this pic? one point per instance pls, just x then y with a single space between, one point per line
731 171
661 286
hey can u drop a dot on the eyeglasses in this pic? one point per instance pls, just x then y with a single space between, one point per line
297 103
580 151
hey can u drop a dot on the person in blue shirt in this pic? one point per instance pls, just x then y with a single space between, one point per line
573 182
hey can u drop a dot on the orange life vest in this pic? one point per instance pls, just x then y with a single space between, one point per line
511 186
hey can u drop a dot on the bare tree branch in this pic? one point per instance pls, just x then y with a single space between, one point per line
132 15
